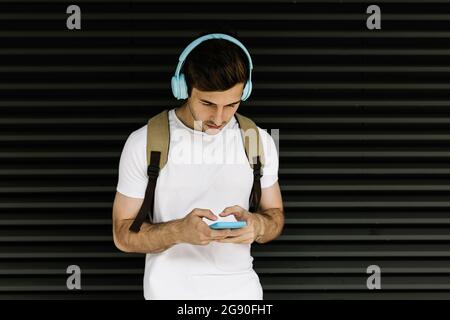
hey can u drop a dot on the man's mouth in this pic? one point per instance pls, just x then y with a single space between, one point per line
213 126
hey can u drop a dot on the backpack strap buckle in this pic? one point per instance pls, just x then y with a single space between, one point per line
152 171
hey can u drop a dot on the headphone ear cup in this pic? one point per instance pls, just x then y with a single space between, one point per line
182 86
175 87
247 90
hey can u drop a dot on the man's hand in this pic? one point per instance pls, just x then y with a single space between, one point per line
246 235
195 231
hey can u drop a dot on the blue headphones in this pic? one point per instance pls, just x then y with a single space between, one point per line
179 86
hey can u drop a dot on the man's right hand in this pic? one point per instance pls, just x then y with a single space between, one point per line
195 231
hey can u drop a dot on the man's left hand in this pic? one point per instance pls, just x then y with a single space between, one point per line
247 234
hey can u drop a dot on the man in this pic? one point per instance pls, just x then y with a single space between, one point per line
185 259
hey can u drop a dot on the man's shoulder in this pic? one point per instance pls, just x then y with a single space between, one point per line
138 137
268 138
264 133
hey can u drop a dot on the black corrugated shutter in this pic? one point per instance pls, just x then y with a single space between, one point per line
364 119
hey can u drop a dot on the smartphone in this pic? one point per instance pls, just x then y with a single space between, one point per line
228 225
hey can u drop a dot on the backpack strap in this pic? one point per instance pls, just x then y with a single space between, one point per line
157 153
255 154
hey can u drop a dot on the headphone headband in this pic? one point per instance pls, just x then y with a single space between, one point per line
179 86
197 41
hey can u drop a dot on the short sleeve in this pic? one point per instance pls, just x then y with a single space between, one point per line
270 170
133 179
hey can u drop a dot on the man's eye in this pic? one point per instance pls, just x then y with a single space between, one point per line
208 104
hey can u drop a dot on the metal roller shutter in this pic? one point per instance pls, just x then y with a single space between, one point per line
364 119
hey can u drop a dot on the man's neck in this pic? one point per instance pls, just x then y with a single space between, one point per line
184 114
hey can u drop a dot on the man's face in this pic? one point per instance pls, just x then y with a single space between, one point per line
215 108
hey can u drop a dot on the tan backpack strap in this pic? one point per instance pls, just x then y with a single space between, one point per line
252 140
158 137
255 154
157 152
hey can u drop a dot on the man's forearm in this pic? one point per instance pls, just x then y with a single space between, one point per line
152 238
271 223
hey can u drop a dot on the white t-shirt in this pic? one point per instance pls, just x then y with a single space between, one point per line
203 171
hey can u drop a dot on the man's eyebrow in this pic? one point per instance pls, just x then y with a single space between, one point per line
203 100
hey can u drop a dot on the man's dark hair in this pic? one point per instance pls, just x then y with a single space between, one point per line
216 65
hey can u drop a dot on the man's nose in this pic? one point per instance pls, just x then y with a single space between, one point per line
218 118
